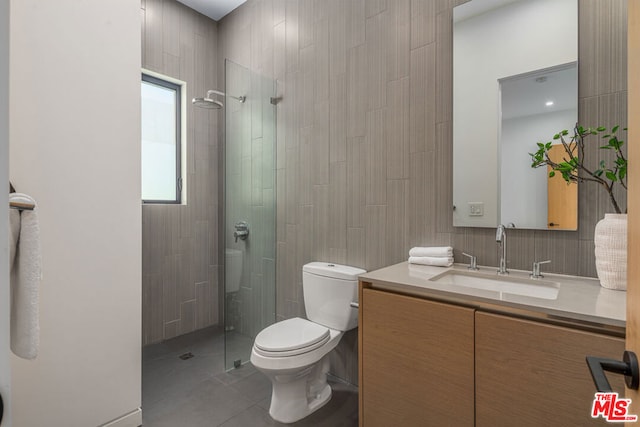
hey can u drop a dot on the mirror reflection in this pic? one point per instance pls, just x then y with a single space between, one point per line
497 43
534 107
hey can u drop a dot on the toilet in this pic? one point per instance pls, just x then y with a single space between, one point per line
294 353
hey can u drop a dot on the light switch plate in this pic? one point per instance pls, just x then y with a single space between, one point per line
476 208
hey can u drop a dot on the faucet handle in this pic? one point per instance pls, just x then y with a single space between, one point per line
242 226
242 230
472 261
535 270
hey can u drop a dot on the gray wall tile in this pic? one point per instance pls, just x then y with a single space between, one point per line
376 166
376 72
338 118
374 7
423 18
398 34
356 91
397 117
337 223
355 20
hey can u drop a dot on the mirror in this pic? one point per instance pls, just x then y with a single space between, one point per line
500 48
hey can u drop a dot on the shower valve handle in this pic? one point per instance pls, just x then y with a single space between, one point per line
242 230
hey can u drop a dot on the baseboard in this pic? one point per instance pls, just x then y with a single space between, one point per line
132 419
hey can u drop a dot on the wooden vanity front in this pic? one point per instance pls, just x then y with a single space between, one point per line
430 360
416 358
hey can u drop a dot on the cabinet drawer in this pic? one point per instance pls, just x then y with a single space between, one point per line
416 362
533 374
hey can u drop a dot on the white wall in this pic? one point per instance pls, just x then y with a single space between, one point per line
526 188
518 38
75 147
5 361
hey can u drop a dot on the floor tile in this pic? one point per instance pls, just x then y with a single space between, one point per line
256 387
197 392
210 403
235 375
255 416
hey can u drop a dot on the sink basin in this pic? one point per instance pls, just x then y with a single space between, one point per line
502 285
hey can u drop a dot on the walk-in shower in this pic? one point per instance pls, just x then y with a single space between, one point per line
209 102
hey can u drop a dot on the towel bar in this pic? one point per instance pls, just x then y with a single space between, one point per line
21 206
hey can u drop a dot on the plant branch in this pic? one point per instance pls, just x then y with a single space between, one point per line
572 166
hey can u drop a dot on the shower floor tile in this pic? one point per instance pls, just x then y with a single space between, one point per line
198 392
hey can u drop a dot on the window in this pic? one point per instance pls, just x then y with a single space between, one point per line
161 141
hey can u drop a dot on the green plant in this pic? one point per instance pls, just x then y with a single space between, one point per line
572 167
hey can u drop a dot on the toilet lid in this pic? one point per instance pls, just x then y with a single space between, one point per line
291 337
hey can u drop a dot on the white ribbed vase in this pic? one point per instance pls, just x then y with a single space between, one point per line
611 251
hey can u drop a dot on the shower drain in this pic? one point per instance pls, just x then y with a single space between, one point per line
186 356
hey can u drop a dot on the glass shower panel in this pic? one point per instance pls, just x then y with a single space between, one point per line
250 210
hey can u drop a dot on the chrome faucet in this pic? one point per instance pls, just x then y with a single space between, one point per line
501 238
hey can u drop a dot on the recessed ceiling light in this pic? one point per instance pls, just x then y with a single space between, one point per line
549 103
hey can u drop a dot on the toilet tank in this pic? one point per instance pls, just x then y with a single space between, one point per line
233 270
328 290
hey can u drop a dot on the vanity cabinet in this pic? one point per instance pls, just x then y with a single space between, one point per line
431 363
532 374
416 362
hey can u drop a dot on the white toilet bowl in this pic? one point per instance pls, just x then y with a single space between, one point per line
298 375
294 353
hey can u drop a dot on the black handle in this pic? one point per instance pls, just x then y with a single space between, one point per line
551 224
628 367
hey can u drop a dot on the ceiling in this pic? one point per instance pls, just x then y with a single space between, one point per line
527 95
477 7
214 9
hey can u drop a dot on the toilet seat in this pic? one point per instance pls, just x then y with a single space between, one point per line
291 337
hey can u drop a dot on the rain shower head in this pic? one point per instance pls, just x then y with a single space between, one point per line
210 103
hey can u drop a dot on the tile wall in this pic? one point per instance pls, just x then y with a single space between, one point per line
180 262
364 159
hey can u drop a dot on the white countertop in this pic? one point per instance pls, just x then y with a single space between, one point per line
580 299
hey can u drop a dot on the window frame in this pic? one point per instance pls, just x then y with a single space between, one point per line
157 81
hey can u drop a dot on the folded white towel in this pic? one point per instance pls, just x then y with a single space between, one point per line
26 273
430 260
434 251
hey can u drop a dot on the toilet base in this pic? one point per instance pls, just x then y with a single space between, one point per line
290 414
296 395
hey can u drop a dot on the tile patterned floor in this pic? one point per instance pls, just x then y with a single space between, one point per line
197 392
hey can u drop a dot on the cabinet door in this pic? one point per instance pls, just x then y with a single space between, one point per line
416 362
534 374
